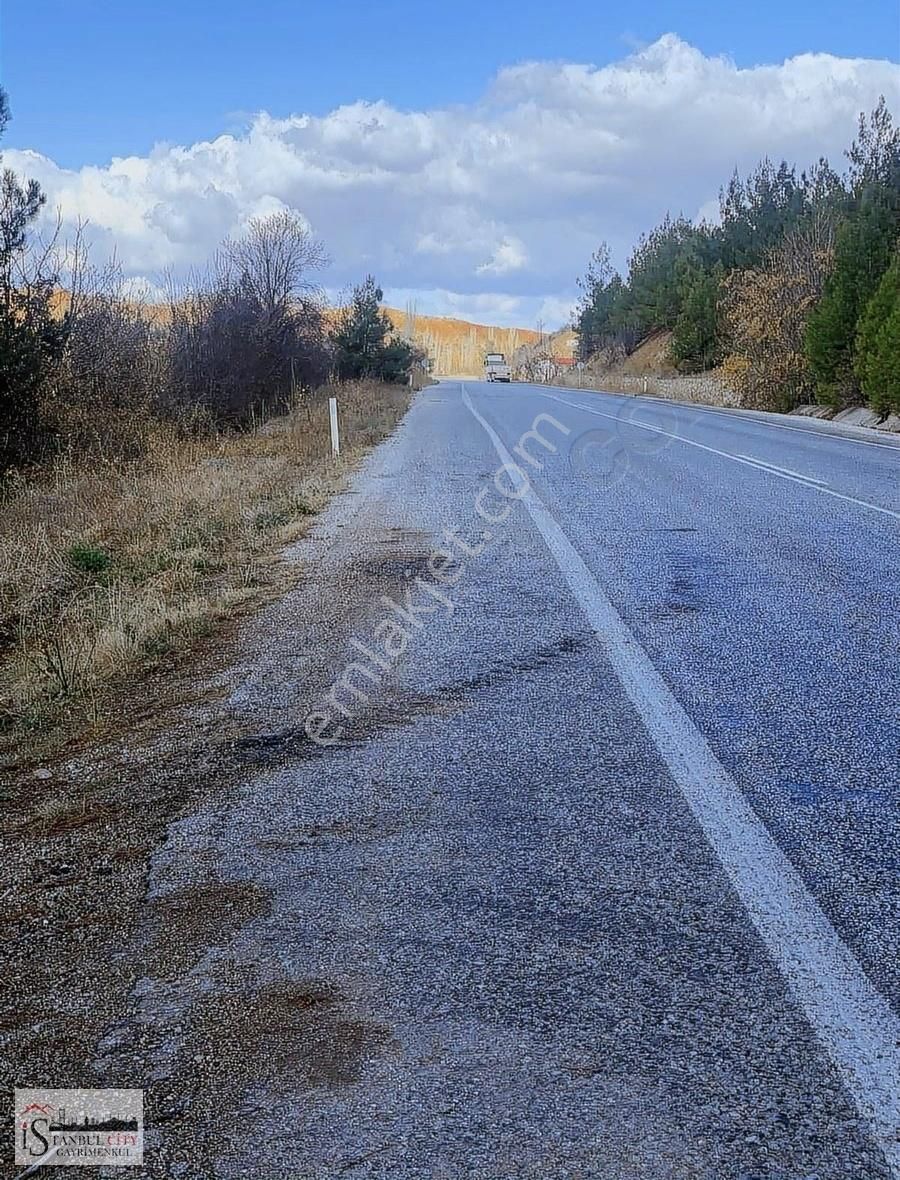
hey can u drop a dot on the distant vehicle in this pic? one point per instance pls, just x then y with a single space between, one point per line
496 368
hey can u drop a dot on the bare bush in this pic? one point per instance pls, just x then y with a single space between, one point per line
112 365
766 312
274 261
232 360
86 368
246 337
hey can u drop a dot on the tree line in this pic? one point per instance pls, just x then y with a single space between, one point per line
83 362
795 293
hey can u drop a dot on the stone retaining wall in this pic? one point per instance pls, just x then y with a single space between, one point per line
703 389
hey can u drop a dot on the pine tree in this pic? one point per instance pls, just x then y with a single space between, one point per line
756 213
31 338
878 343
863 249
363 339
862 254
695 338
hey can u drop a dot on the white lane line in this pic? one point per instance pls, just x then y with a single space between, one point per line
781 473
783 470
861 442
852 1020
736 414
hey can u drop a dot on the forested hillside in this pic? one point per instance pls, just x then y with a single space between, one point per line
795 293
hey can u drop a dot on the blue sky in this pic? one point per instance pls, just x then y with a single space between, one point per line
471 155
93 79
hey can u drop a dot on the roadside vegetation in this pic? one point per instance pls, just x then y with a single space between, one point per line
794 294
155 458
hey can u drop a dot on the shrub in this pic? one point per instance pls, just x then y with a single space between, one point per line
88 558
766 312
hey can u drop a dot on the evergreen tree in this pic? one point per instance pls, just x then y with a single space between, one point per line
31 338
696 336
864 245
363 340
874 155
862 254
600 319
653 272
878 343
756 213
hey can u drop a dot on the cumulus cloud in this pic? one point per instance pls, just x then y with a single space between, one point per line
486 308
509 255
496 205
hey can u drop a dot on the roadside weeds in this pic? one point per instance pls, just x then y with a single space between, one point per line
109 569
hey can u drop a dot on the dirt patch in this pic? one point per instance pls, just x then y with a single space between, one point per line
183 925
63 810
246 1044
651 358
304 641
303 1027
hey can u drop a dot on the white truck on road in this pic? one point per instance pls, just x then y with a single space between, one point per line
496 368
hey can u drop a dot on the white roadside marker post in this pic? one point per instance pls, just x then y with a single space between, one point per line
335 436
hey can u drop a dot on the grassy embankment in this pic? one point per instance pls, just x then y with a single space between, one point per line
107 567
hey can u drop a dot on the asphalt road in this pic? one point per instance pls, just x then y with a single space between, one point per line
576 856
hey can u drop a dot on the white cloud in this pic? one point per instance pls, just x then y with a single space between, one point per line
508 256
514 191
487 307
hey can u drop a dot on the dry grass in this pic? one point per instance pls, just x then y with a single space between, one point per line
107 567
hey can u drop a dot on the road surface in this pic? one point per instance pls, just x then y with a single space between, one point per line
573 851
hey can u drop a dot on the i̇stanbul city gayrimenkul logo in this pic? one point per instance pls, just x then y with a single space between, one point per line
89 1128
